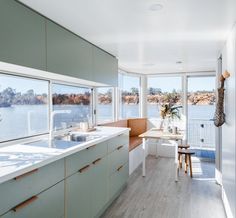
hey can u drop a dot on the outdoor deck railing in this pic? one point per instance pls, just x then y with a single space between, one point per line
201 133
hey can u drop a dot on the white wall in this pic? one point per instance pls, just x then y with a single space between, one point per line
228 129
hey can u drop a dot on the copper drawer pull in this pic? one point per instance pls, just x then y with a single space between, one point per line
96 161
26 174
84 169
118 148
119 168
24 204
92 146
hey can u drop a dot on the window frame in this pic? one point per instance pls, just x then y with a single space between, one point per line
166 76
119 94
61 131
29 75
35 136
96 104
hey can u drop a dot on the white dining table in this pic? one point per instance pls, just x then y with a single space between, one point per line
160 135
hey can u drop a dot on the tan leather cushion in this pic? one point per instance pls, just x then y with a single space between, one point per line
137 125
119 123
134 142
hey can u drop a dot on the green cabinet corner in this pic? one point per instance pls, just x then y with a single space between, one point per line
105 67
22 38
67 53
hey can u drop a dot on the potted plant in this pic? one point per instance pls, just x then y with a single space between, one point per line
168 113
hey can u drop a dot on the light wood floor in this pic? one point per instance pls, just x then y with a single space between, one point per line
158 196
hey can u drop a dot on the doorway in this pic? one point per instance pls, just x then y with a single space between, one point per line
201 98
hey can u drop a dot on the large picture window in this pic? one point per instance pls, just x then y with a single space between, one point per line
104 107
163 90
24 107
129 100
71 105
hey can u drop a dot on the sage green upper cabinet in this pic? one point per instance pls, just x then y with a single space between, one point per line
105 67
67 53
22 37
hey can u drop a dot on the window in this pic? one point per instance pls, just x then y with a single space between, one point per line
24 107
129 99
71 105
104 109
163 90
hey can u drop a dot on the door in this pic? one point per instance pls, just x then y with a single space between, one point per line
99 185
201 100
78 194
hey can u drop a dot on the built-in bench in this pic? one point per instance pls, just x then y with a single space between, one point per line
137 126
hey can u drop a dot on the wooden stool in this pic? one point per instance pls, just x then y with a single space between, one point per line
180 156
188 155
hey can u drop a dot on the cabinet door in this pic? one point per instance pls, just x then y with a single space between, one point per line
22 38
99 185
49 203
67 53
105 67
118 180
78 195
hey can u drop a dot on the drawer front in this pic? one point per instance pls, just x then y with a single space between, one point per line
24 187
118 157
85 157
118 179
49 203
114 143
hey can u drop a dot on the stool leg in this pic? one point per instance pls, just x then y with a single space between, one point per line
180 160
186 165
190 165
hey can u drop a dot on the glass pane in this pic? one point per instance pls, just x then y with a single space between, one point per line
163 90
23 107
130 89
201 108
71 105
104 105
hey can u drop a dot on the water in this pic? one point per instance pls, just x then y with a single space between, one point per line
15 120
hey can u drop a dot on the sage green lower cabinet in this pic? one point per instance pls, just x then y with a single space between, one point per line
87 190
78 195
48 204
81 185
118 180
99 186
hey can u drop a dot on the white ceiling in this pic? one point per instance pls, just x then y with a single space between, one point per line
144 41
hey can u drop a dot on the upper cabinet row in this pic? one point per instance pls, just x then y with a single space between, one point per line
31 40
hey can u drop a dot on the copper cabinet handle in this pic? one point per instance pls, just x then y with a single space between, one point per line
24 204
96 161
83 169
119 168
121 146
25 174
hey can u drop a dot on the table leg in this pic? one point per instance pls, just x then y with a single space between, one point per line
176 162
144 156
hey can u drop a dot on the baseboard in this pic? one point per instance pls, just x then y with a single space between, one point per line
228 211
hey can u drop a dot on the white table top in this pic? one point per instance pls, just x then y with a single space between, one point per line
159 134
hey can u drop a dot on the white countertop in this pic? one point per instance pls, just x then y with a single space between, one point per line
18 159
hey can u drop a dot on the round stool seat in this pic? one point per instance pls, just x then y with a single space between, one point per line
180 151
183 146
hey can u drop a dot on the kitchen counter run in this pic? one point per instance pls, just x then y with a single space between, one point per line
18 159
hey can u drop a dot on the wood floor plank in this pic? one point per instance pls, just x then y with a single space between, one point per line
158 196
